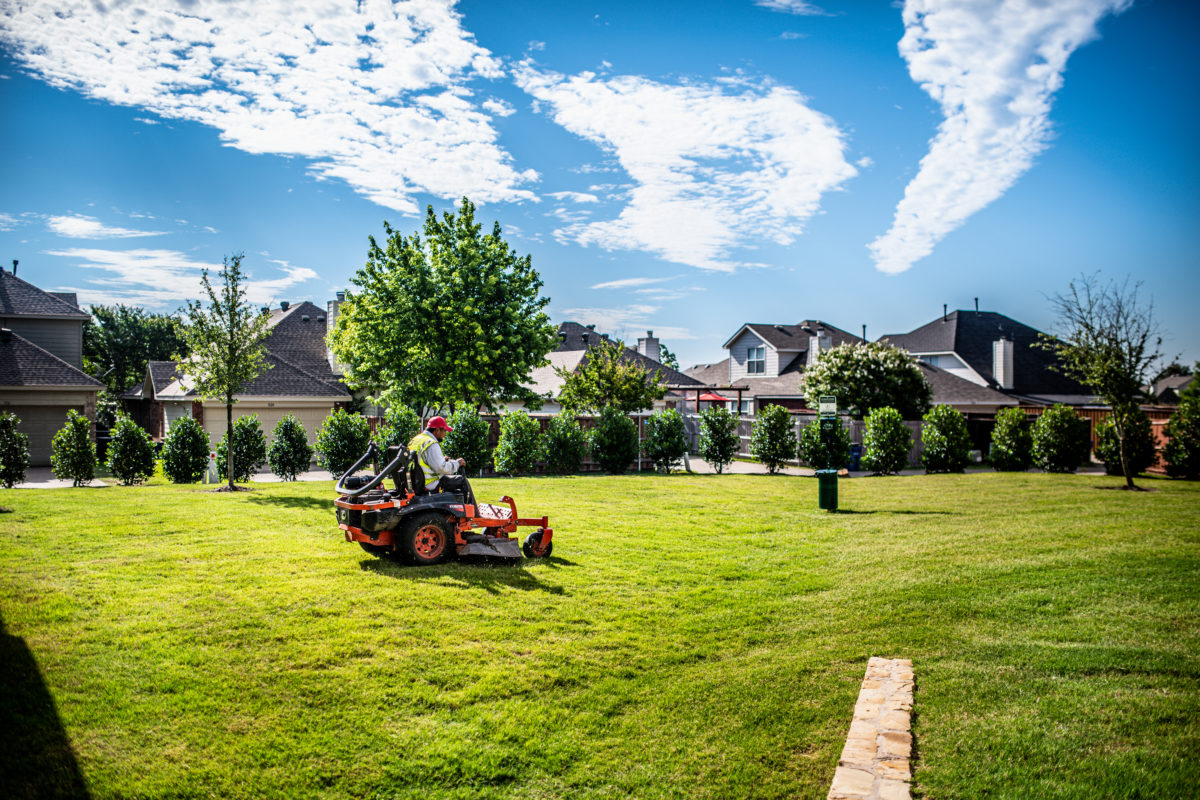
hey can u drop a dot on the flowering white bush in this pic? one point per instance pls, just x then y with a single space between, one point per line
867 376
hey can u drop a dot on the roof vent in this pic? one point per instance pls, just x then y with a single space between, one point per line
321 318
781 329
304 318
591 327
341 295
283 304
266 309
5 335
806 328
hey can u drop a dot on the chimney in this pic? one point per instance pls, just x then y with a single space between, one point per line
864 331
332 309
649 347
817 343
14 267
943 312
976 305
1002 362
283 305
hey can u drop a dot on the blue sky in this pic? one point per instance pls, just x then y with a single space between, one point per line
677 166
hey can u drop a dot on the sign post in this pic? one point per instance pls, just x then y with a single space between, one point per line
827 489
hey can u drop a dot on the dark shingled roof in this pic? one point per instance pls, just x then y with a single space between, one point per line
286 378
20 299
162 373
951 390
795 337
23 363
571 338
300 341
970 334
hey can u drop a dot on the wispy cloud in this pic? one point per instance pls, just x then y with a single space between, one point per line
629 283
575 197
626 323
377 96
993 66
164 279
715 167
77 226
800 7
8 222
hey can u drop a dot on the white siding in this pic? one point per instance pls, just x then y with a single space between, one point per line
738 355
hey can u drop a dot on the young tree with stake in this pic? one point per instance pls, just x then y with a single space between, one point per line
226 341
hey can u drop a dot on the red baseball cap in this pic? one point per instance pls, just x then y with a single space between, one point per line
438 422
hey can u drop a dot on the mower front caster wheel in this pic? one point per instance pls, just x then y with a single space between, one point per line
533 547
426 539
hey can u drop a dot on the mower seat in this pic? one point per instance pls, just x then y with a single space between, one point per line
400 474
416 476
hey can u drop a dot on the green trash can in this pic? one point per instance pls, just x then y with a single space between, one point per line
827 489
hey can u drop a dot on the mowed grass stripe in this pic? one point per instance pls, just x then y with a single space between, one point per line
694 636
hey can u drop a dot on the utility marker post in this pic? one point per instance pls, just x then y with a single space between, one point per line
827 489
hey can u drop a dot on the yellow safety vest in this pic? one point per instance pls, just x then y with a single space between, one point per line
420 445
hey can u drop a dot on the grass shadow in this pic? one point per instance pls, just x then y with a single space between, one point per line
491 576
292 501
899 513
36 757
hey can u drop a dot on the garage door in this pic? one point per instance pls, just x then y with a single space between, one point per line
40 423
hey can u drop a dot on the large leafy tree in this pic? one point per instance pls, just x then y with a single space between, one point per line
226 340
608 377
1107 340
868 376
118 342
454 318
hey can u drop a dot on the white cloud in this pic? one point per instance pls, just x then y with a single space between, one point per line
715 167
499 107
629 283
8 222
575 197
801 7
376 96
77 226
164 279
626 323
993 66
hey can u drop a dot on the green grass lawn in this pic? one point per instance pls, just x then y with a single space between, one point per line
693 636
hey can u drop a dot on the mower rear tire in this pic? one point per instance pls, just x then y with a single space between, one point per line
426 538
533 547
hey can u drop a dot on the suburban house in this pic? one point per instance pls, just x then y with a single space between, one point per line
993 351
770 360
1167 391
575 341
41 362
304 380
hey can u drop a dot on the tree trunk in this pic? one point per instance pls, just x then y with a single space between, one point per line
229 442
1121 430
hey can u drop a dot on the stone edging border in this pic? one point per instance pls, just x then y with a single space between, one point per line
874 763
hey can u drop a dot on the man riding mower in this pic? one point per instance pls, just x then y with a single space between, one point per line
430 514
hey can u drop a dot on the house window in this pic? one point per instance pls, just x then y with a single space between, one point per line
747 407
756 360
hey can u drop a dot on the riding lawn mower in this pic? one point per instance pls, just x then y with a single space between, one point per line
422 527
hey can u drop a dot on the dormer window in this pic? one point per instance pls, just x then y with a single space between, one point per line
756 360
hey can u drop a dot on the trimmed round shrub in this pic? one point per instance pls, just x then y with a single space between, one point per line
289 453
14 451
249 449
185 451
719 441
1139 444
130 452
1182 452
614 440
773 440
399 425
886 442
564 444
1012 443
814 452
946 443
341 440
666 440
469 440
518 448
1060 439
72 451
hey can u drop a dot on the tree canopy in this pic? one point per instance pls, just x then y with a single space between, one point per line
119 341
454 318
1107 340
226 341
868 376
608 377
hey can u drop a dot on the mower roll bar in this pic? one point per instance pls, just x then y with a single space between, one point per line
372 452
